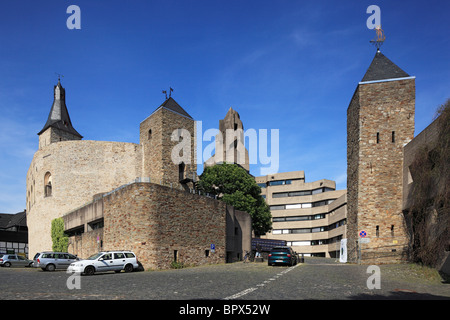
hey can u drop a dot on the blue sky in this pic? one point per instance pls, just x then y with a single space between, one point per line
282 64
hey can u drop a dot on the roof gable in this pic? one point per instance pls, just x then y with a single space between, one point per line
382 68
172 105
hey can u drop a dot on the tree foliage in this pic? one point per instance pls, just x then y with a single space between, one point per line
429 215
59 238
233 185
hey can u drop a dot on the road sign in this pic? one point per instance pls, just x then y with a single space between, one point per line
364 240
362 234
213 248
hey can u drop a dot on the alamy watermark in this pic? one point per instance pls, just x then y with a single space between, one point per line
231 149
374 280
74 280
74 20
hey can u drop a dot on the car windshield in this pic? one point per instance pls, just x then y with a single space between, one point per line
95 256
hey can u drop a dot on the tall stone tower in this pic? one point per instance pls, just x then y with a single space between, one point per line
230 144
380 121
58 126
167 137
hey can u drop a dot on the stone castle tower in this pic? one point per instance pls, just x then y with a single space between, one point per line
168 140
380 121
66 171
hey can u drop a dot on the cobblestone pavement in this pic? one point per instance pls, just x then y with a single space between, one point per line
317 279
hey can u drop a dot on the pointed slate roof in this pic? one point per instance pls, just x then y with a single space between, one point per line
59 115
382 68
172 105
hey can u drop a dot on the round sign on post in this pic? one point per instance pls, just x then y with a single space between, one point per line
362 234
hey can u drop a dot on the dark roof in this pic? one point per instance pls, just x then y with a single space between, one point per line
11 220
382 68
172 105
59 115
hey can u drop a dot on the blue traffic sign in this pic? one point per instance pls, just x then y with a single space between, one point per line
362 234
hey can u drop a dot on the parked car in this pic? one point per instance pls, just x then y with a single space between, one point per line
50 261
14 260
282 255
106 261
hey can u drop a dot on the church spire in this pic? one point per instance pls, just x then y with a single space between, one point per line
58 126
59 115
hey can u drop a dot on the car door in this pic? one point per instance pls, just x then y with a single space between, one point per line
72 258
21 261
13 260
62 260
105 263
118 260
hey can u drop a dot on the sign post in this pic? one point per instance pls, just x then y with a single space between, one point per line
362 239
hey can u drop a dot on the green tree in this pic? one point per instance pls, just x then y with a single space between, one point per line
233 185
59 238
428 218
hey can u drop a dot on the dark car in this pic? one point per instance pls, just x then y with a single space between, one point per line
282 255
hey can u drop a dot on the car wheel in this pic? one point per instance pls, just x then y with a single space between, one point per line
89 271
7 264
128 268
50 267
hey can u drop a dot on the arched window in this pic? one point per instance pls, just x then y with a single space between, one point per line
48 184
149 134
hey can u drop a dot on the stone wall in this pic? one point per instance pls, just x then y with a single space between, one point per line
161 225
52 135
427 138
79 170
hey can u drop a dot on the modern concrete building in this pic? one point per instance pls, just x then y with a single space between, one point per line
310 216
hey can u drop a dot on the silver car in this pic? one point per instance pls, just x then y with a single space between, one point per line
14 260
50 261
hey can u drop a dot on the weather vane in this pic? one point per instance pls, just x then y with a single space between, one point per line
170 92
59 76
378 41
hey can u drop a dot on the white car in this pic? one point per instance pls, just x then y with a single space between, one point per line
106 261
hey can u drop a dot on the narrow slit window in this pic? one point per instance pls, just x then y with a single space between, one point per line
378 137
181 168
393 136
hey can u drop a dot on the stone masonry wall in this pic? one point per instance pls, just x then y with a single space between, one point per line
79 170
52 135
162 224
386 112
353 131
